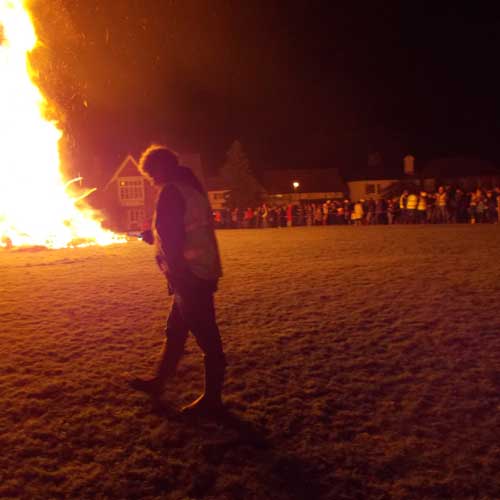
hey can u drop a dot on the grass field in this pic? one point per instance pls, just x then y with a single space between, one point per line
364 362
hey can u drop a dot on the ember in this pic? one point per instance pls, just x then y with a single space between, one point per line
36 208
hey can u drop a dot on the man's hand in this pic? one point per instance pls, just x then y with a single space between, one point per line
148 236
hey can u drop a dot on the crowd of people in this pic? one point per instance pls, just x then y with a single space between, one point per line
445 206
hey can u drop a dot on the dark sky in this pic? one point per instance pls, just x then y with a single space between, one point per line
301 84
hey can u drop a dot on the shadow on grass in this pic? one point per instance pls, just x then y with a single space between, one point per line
247 432
232 443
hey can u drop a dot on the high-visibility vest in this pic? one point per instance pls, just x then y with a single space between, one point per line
200 247
422 203
411 202
441 199
358 211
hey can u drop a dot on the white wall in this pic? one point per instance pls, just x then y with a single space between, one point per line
217 199
368 188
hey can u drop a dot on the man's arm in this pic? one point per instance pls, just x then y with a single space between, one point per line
170 228
172 234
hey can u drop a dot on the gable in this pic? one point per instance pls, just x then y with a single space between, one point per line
127 168
130 169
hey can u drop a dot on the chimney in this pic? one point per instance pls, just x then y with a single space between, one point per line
409 165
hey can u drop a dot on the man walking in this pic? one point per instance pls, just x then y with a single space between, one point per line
187 253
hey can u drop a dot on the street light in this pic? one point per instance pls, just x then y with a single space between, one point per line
295 185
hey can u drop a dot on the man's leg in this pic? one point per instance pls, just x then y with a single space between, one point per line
173 348
176 333
199 313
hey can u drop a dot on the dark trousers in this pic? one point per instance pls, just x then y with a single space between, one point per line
193 311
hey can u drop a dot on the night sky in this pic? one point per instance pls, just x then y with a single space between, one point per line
301 84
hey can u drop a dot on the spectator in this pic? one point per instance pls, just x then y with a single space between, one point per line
480 207
391 211
381 211
318 215
461 206
325 210
422 208
491 208
357 214
411 208
451 207
498 204
283 216
235 218
339 213
370 211
441 206
265 215
402 207
217 219
309 213
248 217
347 211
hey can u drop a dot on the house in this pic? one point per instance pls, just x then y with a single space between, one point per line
285 185
217 191
129 199
465 172
377 177
370 188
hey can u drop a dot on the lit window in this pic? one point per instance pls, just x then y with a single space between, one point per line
131 189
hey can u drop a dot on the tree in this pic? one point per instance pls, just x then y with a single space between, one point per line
244 189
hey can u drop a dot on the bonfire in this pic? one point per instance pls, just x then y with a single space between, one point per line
38 207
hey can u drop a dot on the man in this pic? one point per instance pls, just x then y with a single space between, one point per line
441 205
422 208
187 253
497 190
403 219
411 208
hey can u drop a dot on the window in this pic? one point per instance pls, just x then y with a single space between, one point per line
218 195
131 189
136 215
369 188
135 218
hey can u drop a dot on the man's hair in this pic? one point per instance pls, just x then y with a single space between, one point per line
157 158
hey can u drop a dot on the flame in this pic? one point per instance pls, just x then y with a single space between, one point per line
35 207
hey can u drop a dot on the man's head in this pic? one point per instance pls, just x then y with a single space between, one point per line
159 164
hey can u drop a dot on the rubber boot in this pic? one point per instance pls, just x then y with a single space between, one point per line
166 369
209 404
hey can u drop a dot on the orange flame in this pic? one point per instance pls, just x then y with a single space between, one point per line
35 208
